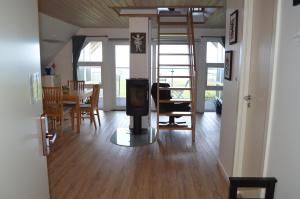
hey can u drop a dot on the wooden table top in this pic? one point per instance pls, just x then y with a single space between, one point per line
78 93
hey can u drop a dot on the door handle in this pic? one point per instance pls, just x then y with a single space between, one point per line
44 132
47 138
248 98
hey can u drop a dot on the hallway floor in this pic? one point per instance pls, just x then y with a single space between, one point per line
89 166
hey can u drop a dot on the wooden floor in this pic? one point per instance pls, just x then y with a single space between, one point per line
88 166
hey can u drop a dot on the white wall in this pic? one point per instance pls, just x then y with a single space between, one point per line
23 169
230 93
63 60
284 159
51 30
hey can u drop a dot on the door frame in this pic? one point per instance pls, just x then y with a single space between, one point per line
244 88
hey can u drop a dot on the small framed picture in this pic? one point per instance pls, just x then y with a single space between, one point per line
228 65
296 2
233 27
138 42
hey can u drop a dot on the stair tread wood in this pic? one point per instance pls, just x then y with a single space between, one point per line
174 54
171 15
173 23
175 100
188 65
173 34
175 88
167 76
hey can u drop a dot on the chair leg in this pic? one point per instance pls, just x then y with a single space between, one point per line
72 120
92 118
98 116
61 125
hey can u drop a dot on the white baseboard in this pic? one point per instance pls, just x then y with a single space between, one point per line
223 171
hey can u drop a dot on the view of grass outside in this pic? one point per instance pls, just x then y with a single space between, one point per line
212 94
215 76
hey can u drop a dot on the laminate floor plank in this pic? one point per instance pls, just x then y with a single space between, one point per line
89 166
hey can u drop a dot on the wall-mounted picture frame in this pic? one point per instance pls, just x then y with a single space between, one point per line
138 43
228 65
233 27
296 2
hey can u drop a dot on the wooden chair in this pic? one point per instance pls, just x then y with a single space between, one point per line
53 106
92 109
76 85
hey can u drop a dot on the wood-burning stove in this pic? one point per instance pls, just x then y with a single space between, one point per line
137 101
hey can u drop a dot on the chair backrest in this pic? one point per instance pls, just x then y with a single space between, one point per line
252 182
76 85
52 100
95 96
163 94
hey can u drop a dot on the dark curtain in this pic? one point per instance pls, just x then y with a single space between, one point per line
223 41
77 42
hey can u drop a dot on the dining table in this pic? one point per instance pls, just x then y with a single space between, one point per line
76 96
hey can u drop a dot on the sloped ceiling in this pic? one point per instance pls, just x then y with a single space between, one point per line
54 34
98 13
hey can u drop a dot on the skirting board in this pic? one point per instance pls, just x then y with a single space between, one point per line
223 172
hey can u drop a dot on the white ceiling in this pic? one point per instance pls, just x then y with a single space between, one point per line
54 34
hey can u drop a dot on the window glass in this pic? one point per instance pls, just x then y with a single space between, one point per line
92 52
215 76
210 99
178 48
122 72
215 52
90 74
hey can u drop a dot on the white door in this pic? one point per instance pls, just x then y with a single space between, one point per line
251 147
23 168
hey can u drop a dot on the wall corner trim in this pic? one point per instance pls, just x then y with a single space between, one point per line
223 171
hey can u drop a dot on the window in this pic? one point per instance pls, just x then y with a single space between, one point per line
215 76
215 53
90 62
122 72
